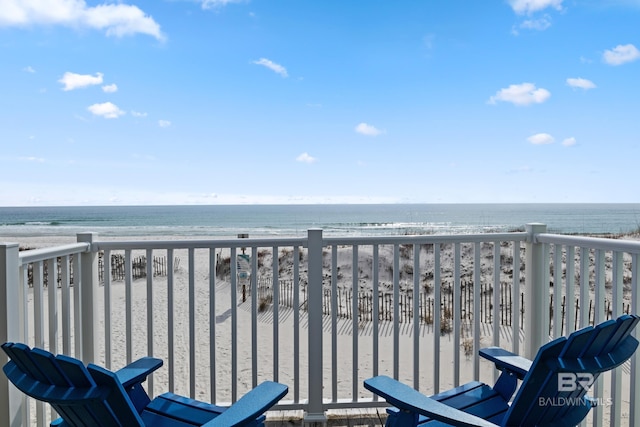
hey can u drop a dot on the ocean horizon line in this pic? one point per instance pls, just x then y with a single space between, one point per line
336 219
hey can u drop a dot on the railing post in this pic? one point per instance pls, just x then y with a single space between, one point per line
536 313
11 410
88 287
314 414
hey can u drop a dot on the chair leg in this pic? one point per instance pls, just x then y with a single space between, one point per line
400 418
139 397
506 385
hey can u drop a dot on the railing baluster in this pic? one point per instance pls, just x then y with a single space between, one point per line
254 316
376 311
106 262
150 310
128 279
457 287
584 287
416 316
24 319
234 324
436 317
171 323
38 304
634 401
354 323
570 290
76 274
477 282
515 325
334 323
296 324
599 317
52 297
276 304
396 310
65 295
557 288
192 323
212 323
38 324
616 307
496 299
546 303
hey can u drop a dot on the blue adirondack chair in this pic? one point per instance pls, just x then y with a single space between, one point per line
552 393
95 397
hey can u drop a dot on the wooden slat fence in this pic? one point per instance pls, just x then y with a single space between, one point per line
138 264
426 304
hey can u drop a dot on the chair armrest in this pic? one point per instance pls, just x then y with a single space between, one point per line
137 372
507 361
407 399
251 405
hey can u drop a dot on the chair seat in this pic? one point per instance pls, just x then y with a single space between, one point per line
172 410
473 398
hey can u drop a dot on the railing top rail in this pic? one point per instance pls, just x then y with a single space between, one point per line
302 241
427 239
198 244
42 254
602 243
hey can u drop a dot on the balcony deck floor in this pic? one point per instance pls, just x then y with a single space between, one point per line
336 418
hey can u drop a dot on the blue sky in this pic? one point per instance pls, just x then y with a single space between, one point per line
290 101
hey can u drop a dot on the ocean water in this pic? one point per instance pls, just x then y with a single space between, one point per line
293 220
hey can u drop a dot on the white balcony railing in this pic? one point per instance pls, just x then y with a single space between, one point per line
319 314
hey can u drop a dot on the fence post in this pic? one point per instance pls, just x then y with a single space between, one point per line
11 409
536 329
314 414
88 288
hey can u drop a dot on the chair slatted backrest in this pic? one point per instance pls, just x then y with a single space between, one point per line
82 396
554 390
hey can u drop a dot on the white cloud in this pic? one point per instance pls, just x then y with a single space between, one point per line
277 68
73 81
33 159
541 139
115 19
522 94
164 123
306 158
523 7
110 88
29 69
568 142
138 114
429 41
106 110
368 130
621 54
521 169
214 4
539 24
581 83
